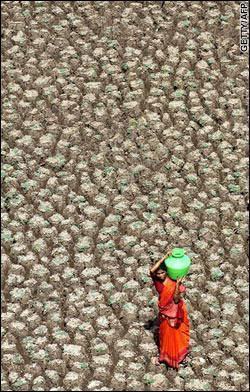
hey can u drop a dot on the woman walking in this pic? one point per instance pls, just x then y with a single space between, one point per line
173 319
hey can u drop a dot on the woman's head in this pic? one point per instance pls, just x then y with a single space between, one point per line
161 273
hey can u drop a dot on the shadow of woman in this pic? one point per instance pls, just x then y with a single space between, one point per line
153 326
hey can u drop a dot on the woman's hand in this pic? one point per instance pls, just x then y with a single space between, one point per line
158 264
177 298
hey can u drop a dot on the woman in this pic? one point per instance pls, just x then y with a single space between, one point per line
173 320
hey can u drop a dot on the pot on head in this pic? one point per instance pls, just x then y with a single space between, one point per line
177 264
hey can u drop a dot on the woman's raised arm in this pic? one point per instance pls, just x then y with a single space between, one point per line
177 293
157 265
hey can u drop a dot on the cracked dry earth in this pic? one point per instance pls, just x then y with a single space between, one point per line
124 132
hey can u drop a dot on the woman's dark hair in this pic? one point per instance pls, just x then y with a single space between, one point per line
161 267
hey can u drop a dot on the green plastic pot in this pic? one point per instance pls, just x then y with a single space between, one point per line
178 264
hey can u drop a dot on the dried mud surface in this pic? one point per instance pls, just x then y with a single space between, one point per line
124 132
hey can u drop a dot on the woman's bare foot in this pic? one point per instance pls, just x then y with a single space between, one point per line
155 361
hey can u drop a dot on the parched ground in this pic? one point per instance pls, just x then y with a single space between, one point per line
124 133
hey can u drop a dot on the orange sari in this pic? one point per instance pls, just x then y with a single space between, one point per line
173 340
